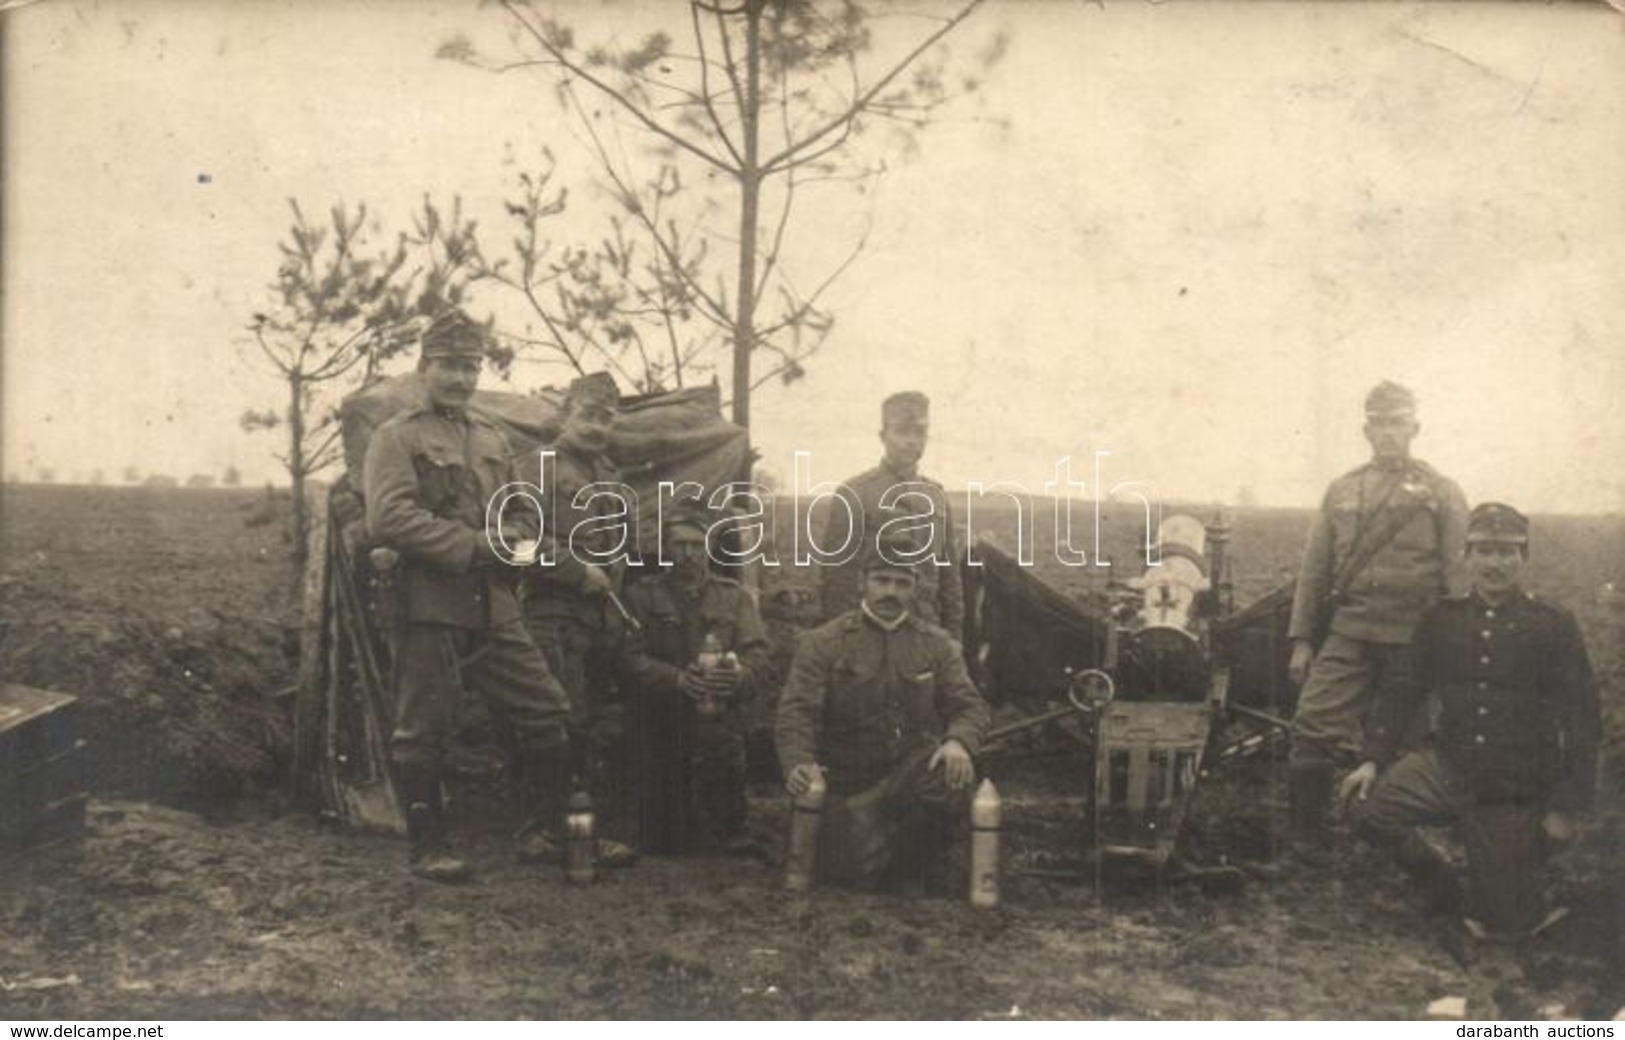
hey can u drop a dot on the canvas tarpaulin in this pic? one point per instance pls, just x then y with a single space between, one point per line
677 436
1027 634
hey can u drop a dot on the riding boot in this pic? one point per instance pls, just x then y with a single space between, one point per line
542 789
1309 798
431 855
583 761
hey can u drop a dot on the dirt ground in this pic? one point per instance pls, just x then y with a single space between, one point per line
195 893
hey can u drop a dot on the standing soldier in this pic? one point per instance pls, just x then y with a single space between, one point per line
1514 752
1381 551
879 702
430 473
698 658
568 606
896 486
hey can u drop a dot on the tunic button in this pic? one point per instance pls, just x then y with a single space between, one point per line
1484 660
1489 613
1483 685
1485 633
1483 710
1478 738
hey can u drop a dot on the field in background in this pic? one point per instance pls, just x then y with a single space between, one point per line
171 612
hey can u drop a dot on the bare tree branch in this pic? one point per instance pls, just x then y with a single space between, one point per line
705 87
621 100
859 104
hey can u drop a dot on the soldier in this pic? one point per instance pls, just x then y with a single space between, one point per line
896 486
429 475
1514 751
567 608
879 702
700 655
1381 551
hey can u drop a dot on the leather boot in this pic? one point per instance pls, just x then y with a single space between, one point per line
418 787
1309 798
542 788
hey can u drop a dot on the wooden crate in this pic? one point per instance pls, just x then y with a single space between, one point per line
42 766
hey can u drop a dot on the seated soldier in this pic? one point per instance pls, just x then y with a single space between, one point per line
1514 750
879 703
697 658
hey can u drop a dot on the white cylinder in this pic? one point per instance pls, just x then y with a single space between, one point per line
986 816
803 853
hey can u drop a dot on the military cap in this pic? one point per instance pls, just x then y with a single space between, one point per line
595 388
908 408
1497 522
685 514
1389 400
895 549
452 334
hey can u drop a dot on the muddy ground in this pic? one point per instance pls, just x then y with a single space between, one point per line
195 893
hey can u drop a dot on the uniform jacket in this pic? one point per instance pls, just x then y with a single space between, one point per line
429 476
1518 704
556 590
675 625
1407 575
940 598
859 699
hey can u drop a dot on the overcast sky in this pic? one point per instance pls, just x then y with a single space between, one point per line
1191 235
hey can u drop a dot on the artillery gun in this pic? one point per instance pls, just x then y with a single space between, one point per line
1163 681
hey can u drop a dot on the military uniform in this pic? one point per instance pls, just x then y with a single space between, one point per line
1373 618
941 597
429 474
692 763
1389 537
872 706
1515 734
577 630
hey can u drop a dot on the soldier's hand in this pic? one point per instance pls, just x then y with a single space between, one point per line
488 555
1557 827
693 682
957 768
596 582
724 680
1302 656
801 778
1356 785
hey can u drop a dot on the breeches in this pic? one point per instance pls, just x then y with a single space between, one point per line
434 664
1505 846
1336 696
901 830
581 655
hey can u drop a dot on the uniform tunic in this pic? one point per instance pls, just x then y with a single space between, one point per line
1414 567
1516 734
429 475
871 707
940 598
1518 702
1419 518
577 631
692 766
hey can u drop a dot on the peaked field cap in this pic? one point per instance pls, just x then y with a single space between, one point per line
897 550
595 388
1497 522
1390 400
908 406
452 334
